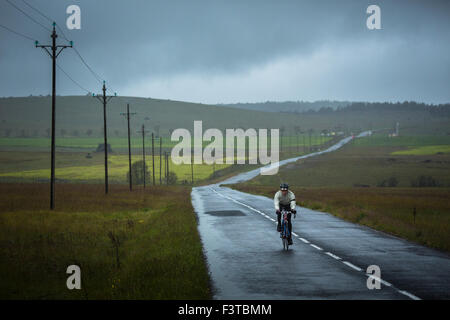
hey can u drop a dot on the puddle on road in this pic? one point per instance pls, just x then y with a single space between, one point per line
225 213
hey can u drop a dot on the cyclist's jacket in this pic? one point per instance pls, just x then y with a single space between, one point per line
286 201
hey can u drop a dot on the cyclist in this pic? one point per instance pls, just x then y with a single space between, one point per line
284 200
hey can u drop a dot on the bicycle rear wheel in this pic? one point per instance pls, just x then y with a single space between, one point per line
285 244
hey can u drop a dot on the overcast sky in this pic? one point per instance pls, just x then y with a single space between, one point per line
235 51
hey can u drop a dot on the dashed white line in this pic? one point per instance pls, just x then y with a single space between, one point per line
352 265
406 293
314 246
379 279
304 240
333 255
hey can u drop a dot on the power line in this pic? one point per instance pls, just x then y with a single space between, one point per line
60 68
62 32
46 17
111 89
28 16
96 75
87 66
17 33
38 11
75 82
64 36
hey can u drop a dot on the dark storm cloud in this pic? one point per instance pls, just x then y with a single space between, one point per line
137 43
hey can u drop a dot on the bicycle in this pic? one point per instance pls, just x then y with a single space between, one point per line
285 234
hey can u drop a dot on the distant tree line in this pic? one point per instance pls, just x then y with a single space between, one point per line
288 106
9 132
327 107
441 110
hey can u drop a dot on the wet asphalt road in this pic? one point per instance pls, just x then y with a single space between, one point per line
328 260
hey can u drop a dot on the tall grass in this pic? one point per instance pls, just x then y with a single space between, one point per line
139 245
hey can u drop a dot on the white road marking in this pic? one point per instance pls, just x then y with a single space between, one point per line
379 279
333 256
314 246
406 293
352 266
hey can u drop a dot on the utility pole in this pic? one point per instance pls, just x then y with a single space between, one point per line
310 131
290 142
214 163
281 140
166 160
192 166
143 151
53 54
168 171
160 160
104 100
128 114
304 141
153 157
165 166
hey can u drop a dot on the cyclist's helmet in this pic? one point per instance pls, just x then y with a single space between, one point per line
284 186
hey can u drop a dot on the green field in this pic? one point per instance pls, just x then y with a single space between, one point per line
424 150
117 169
30 163
366 162
129 245
136 142
383 140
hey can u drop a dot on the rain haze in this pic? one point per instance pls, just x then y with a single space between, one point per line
235 51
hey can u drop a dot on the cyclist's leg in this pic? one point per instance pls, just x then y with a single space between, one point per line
279 221
279 217
289 227
289 222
